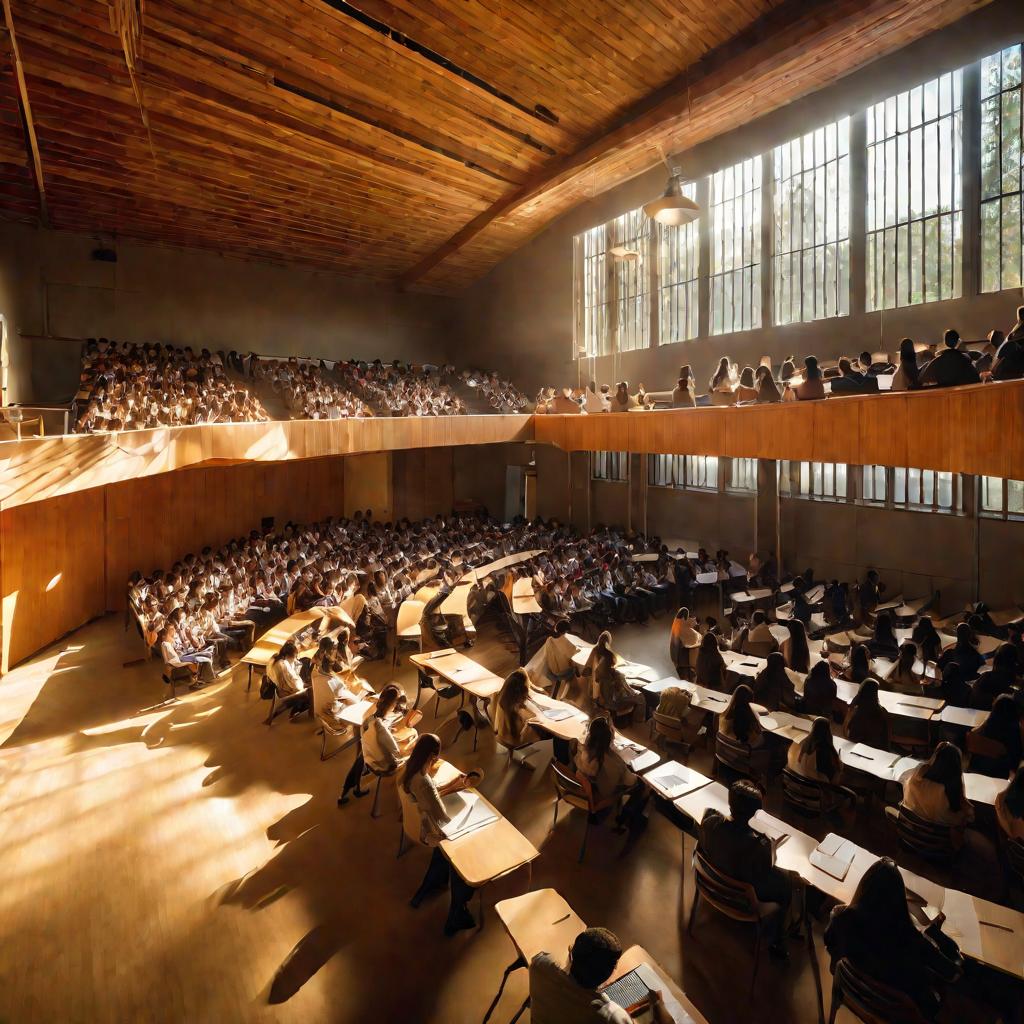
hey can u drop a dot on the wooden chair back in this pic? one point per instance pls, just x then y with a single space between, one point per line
735 755
925 838
569 788
736 900
984 746
668 727
806 795
869 1000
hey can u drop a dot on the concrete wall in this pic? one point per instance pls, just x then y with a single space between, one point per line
49 286
520 316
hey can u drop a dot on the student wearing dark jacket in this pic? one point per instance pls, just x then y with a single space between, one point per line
742 853
876 933
819 691
950 367
963 653
851 381
989 686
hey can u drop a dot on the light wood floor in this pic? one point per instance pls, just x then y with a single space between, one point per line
184 863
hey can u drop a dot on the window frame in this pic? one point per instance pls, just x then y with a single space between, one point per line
614 466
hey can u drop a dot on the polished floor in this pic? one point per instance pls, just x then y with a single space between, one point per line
182 862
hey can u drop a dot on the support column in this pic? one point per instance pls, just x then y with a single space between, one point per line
858 210
637 510
579 490
766 527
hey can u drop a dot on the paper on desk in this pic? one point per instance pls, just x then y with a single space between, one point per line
675 780
556 714
467 812
761 823
833 855
881 757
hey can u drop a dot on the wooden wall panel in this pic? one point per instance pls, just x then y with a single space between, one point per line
53 571
424 482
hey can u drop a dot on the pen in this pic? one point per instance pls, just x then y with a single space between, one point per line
565 917
992 924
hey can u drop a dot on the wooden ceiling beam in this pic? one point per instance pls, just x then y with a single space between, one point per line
26 114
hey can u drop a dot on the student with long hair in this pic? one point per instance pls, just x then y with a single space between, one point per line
1010 806
711 666
795 649
511 711
963 653
876 933
820 691
683 641
417 782
903 678
607 775
720 381
883 641
860 664
935 790
815 757
608 686
1000 680
739 721
385 739
867 721
908 374
927 639
1001 733
772 686
767 389
812 386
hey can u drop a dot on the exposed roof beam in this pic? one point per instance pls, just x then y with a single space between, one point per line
26 115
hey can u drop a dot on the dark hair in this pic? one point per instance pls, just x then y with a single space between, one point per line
819 742
514 691
945 766
799 652
907 656
388 698
745 800
595 954
811 371
951 338
744 720
428 746
881 898
908 362
883 630
288 650
926 635
860 663
1013 795
866 695
1003 719
599 738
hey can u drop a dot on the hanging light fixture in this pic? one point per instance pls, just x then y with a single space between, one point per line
673 208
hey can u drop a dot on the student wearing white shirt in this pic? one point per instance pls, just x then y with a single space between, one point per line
200 665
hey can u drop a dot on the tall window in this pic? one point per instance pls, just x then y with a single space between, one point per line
595 299
914 195
701 472
1001 197
1001 497
926 490
811 262
610 466
736 247
873 484
630 236
661 470
677 269
743 474
822 480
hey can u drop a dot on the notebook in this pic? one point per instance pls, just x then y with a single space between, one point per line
763 824
557 714
634 987
467 812
833 855
676 780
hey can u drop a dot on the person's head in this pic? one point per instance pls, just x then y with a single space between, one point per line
908 354
1003 719
708 644
561 627
740 713
683 614
745 800
860 660
758 618
865 359
951 338
945 767
907 656
775 666
685 374
389 697
598 738
964 635
797 638
424 754
514 691
866 696
845 366
747 377
288 650
883 627
811 370
881 897
593 957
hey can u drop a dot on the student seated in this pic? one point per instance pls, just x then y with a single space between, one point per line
883 642
757 638
851 381
860 664
904 678
746 855
1001 679
417 782
815 758
607 775
739 721
569 995
794 649
772 686
950 367
746 390
675 704
283 670
511 710
952 688
558 653
927 639
867 721
812 386
963 653
1010 807
819 696
767 390
908 374
386 738
999 747
682 394
1009 357
684 640
935 791
876 933
711 667
721 381
609 688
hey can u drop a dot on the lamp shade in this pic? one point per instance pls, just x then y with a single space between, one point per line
673 208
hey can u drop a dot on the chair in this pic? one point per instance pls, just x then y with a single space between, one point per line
279 702
380 777
407 628
174 674
979 745
669 729
738 757
576 793
925 838
731 898
811 797
758 648
869 1000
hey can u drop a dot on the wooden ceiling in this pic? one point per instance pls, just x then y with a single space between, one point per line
414 141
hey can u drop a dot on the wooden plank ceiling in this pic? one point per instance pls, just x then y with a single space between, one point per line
415 141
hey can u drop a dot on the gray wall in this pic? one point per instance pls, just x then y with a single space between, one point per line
520 316
49 286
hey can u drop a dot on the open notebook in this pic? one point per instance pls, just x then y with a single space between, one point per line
467 813
833 855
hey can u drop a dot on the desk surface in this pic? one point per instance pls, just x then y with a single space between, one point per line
540 922
489 852
467 674
277 636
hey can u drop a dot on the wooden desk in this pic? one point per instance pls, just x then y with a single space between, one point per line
465 673
524 601
679 1007
481 572
271 642
490 852
573 728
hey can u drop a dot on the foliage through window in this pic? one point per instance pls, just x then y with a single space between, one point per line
736 247
811 261
1001 194
610 466
914 195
